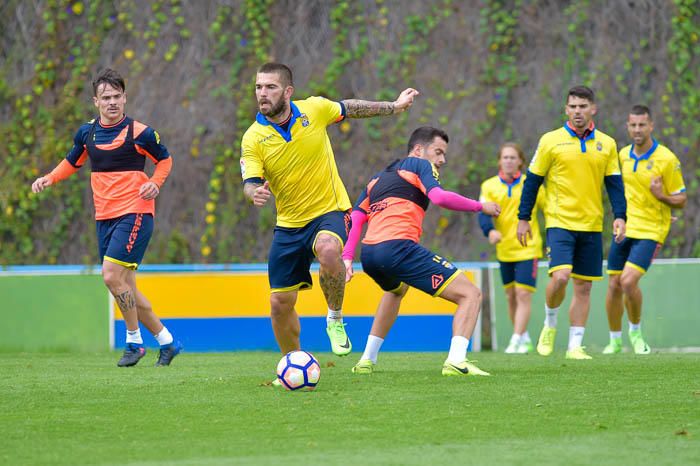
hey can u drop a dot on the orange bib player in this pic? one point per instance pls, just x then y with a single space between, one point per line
393 205
124 196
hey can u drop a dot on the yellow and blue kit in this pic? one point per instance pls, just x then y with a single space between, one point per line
648 219
518 264
574 169
298 162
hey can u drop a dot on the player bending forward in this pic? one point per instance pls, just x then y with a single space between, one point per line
394 204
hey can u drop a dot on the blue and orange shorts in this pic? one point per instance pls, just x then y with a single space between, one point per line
123 240
391 263
637 253
580 251
520 274
293 249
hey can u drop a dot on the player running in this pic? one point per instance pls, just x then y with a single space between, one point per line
124 198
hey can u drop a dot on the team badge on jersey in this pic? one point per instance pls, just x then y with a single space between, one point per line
304 120
650 164
599 146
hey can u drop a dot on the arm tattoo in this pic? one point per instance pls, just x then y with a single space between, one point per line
126 301
364 108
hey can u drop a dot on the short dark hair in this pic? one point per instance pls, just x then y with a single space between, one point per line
283 71
108 76
640 110
425 136
583 92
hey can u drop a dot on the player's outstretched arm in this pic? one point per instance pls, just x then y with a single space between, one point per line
358 219
355 108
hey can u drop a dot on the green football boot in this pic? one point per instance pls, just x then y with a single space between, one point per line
614 347
340 343
545 344
465 367
640 346
364 366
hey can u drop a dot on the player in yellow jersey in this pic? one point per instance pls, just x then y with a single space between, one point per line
518 264
653 186
286 153
574 162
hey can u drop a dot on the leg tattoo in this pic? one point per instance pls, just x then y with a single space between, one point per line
333 286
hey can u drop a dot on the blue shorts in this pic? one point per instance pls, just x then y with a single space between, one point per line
580 251
521 274
637 253
393 262
292 250
123 240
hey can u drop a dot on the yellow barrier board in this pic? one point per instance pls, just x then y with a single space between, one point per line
200 295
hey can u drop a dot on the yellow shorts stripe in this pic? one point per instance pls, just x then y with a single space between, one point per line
128 265
636 267
560 267
532 289
447 282
586 277
303 286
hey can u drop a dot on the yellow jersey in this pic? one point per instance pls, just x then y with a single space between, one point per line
507 195
574 169
648 217
298 163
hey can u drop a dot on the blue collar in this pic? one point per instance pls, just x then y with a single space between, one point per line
644 156
647 154
515 182
286 135
588 134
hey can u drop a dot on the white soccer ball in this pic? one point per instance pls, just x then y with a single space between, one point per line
298 370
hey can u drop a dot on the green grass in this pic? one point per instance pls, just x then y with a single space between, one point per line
210 409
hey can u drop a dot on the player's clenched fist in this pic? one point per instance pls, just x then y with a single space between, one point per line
261 195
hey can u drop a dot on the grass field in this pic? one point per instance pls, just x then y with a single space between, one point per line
210 409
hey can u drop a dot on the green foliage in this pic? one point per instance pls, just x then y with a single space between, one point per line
374 48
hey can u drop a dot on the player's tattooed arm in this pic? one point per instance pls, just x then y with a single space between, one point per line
355 108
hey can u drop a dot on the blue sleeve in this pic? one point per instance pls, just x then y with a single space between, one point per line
529 196
362 203
428 174
486 223
76 155
149 139
616 193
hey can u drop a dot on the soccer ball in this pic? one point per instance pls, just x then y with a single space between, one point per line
298 370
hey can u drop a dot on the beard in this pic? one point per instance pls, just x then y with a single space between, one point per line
275 109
